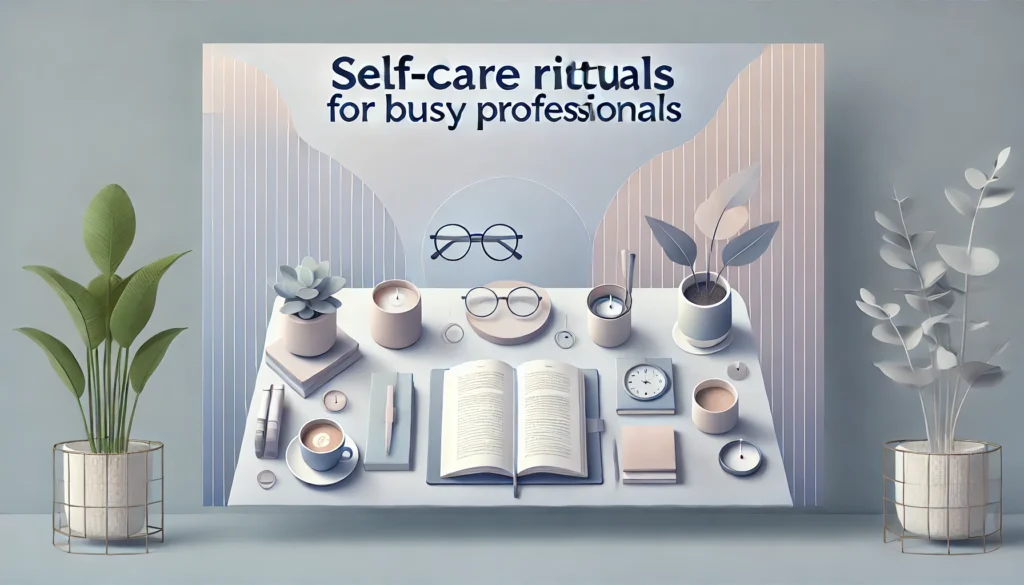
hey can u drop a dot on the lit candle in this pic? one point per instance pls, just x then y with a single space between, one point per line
398 300
608 307
395 299
736 460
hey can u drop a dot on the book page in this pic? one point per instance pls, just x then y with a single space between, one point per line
477 418
551 432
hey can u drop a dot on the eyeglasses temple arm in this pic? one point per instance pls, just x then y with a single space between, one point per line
441 249
515 254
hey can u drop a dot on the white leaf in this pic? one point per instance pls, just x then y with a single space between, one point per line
917 302
990 379
902 373
872 311
960 202
903 334
867 297
975 178
735 191
921 240
1004 154
940 295
999 350
944 358
887 223
891 309
980 262
996 197
932 271
976 325
733 220
895 257
897 240
970 372
930 322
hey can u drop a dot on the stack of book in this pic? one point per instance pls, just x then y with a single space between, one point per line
306 375
648 454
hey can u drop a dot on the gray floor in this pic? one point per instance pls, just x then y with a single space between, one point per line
615 546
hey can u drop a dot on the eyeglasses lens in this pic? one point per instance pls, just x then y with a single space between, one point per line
523 301
452 241
481 302
500 242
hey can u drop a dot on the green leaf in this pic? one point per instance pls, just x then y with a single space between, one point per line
109 228
149 356
61 358
135 307
85 310
106 290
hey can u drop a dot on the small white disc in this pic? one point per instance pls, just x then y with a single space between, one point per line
335 400
266 479
565 339
738 370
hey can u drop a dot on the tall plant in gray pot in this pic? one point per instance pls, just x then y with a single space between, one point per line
704 315
942 484
105 475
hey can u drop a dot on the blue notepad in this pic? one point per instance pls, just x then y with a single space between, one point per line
595 472
400 457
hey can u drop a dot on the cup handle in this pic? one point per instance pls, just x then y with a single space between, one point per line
346 453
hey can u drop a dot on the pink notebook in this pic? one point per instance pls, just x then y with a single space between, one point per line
648 448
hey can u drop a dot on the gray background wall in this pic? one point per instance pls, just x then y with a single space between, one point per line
110 92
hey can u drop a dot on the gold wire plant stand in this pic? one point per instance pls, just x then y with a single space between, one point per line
943 503
108 503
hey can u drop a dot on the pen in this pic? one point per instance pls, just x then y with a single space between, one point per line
615 459
389 419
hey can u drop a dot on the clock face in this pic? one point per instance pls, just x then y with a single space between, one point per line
646 382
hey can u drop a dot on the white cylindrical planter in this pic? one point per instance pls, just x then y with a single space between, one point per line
704 326
105 495
942 495
310 337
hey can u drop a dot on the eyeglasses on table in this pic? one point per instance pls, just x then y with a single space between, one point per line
522 301
452 242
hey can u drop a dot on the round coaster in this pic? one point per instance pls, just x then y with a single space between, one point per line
684 344
565 339
335 400
452 333
266 479
504 328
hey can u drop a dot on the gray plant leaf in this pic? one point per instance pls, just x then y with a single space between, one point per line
749 246
308 262
316 282
322 270
941 336
960 202
976 325
999 350
896 240
931 322
917 302
307 313
305 276
1001 159
287 290
888 223
872 311
307 293
867 297
334 301
979 262
944 358
891 309
975 178
895 257
990 379
677 244
292 307
932 271
970 372
331 285
910 335
902 373
996 197
288 272
322 306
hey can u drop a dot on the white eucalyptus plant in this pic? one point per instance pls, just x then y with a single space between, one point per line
933 361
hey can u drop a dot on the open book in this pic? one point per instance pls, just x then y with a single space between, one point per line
513 421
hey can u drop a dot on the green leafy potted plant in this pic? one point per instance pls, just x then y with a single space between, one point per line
311 322
704 317
107 497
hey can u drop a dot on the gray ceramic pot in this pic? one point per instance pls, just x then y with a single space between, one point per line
704 326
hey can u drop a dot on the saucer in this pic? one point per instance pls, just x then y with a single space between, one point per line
304 473
685 345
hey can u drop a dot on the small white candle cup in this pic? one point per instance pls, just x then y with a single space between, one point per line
740 458
723 417
609 315
396 316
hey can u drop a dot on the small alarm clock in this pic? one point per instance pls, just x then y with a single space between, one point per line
645 386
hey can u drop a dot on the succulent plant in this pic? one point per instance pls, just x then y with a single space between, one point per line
307 289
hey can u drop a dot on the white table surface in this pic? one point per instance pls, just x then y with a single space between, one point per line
702 482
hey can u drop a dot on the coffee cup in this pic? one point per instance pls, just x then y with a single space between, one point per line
322 443
716 406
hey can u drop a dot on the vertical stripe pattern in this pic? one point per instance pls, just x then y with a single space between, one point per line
772 114
268 199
